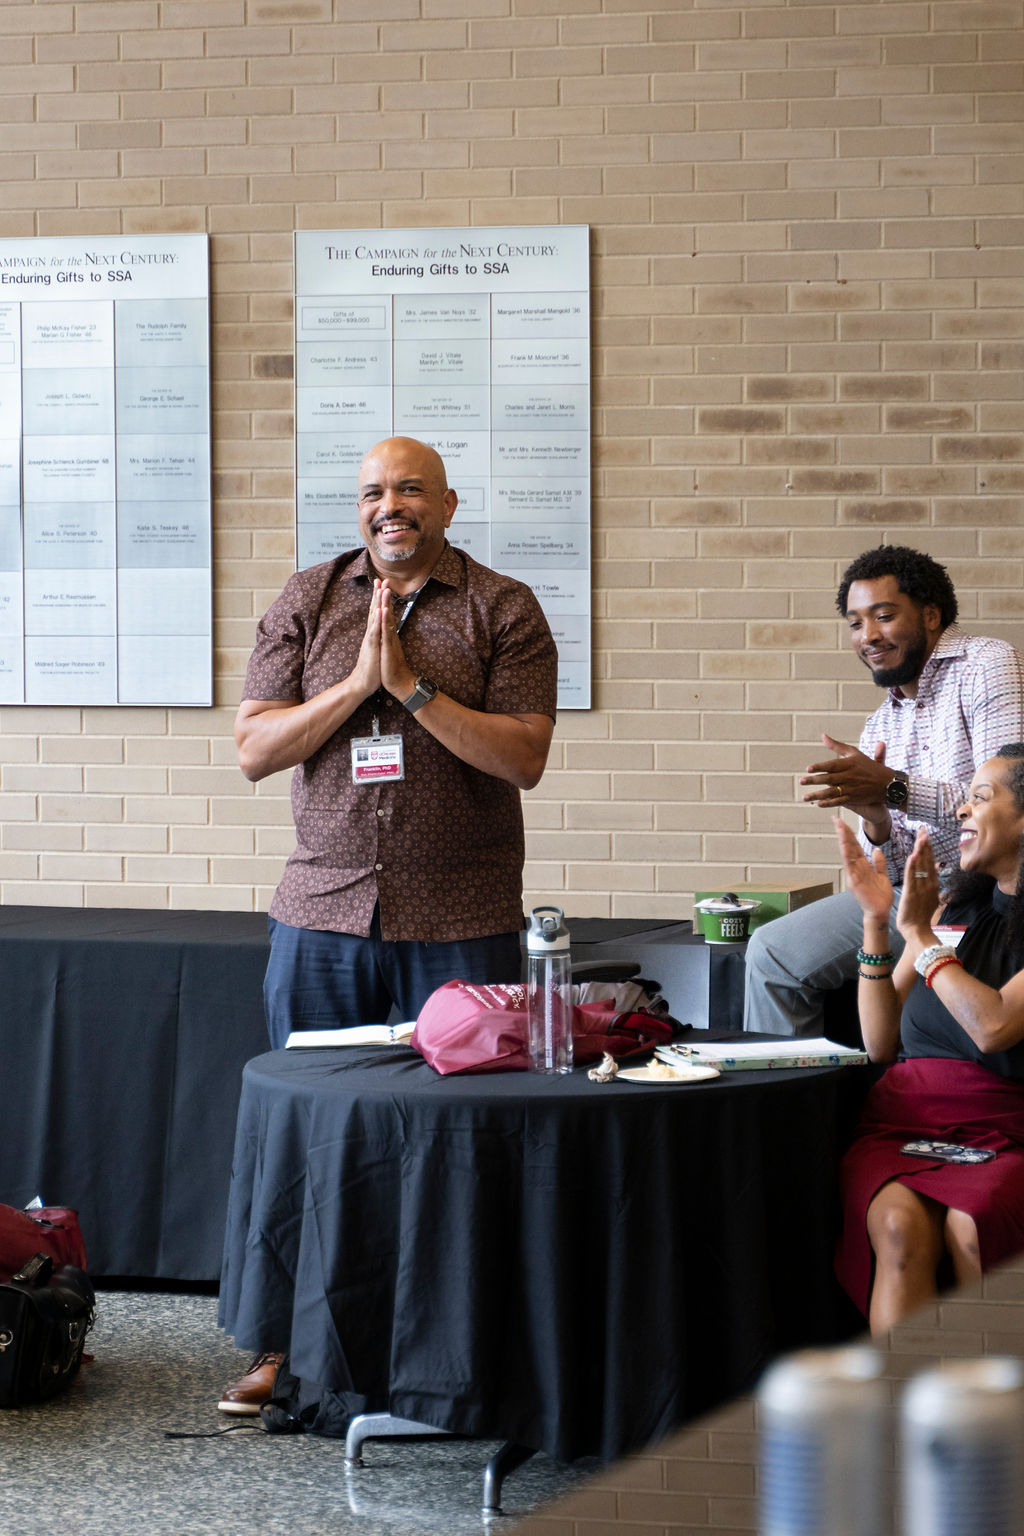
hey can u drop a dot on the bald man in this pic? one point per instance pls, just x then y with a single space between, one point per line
412 691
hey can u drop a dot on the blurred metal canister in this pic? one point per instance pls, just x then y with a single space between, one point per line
962 1449
823 1418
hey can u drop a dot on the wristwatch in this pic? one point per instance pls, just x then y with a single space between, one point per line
897 792
422 693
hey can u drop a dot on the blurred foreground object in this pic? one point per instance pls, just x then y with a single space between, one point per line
962 1440
822 1417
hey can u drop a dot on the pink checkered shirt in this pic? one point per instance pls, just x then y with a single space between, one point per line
970 702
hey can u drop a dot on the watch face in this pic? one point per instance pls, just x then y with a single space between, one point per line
896 794
423 691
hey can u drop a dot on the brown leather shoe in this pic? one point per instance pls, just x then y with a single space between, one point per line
256 1387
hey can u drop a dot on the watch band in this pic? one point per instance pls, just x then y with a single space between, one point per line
897 791
422 693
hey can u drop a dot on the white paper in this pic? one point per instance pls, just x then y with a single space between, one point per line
358 1034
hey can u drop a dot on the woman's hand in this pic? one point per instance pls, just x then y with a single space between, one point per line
920 896
866 879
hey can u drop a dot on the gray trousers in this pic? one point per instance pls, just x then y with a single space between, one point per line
794 960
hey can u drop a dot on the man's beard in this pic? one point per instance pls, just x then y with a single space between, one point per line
909 669
385 552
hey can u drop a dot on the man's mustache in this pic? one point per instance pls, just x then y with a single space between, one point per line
382 522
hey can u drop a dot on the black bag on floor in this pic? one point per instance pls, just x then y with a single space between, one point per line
300 1407
44 1318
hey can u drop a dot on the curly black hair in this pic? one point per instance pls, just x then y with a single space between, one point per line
977 887
917 575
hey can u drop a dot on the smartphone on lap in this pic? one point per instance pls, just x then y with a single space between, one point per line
947 1152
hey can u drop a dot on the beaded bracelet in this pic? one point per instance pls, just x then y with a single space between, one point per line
875 975
928 956
863 959
937 965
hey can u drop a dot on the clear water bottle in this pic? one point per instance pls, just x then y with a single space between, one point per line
548 991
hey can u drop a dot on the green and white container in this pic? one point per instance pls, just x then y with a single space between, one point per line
726 919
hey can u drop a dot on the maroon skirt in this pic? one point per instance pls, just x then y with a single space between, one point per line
936 1099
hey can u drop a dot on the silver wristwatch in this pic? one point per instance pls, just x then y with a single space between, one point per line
422 693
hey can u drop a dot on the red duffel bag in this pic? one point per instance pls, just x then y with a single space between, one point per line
481 1027
52 1230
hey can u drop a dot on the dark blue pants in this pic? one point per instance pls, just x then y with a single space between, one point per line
321 980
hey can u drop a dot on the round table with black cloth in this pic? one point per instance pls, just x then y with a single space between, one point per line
571 1266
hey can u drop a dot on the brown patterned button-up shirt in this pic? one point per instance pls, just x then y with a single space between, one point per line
443 849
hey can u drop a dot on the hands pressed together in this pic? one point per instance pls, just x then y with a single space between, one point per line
381 661
275 734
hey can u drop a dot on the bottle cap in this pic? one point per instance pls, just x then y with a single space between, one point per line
547 933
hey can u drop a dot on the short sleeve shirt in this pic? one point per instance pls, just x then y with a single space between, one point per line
442 850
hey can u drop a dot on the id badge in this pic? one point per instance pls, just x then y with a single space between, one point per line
377 758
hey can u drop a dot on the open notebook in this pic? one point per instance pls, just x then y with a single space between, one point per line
359 1034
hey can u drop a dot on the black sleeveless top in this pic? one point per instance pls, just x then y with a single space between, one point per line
929 1029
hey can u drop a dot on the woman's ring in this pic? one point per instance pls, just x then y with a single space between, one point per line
919 874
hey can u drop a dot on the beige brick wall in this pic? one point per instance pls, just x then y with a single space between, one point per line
808 283
705 1478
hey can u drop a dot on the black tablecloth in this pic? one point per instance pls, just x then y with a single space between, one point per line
124 1034
575 1267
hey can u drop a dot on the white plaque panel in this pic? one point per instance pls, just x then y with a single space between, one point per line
105 529
476 341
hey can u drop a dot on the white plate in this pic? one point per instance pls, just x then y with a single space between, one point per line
645 1075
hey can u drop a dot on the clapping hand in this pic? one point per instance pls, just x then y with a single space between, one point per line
867 879
920 896
851 779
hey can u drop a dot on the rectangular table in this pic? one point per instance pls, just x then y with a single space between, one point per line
124 1037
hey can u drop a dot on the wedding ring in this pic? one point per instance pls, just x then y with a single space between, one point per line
919 874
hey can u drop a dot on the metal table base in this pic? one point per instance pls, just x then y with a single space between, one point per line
384 1426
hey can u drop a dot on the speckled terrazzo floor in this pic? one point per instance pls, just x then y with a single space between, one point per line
96 1461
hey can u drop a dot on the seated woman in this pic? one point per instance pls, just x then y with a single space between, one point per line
955 1018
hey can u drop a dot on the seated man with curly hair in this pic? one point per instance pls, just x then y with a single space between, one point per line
952 700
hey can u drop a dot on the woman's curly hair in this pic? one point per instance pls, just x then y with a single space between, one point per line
966 886
917 575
